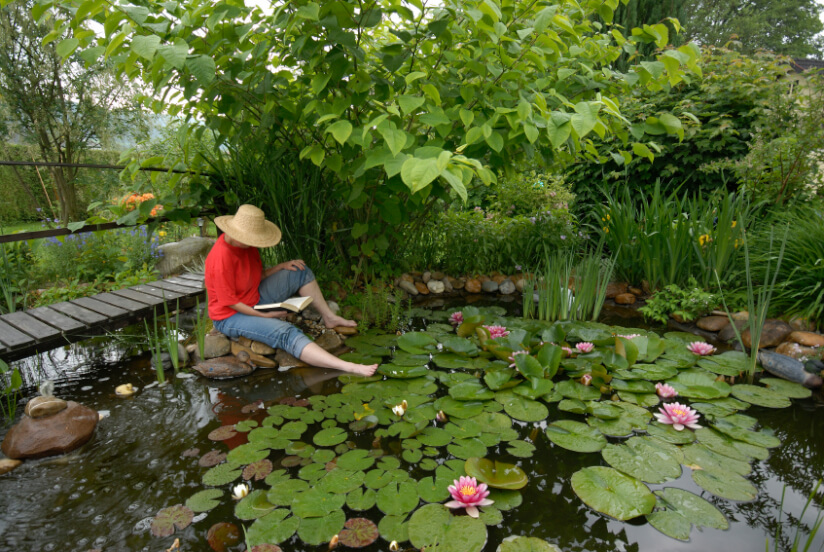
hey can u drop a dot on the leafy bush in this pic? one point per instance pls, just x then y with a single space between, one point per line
688 303
16 261
524 193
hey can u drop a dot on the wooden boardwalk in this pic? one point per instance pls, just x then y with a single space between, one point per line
41 329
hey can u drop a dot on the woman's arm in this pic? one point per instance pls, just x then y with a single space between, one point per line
297 264
246 309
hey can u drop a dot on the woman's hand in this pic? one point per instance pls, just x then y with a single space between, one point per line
297 264
274 314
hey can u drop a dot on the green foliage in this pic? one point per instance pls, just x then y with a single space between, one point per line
689 303
16 262
380 308
11 384
721 112
346 85
668 239
525 193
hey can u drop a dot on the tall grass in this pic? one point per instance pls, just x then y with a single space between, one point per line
666 239
587 277
12 381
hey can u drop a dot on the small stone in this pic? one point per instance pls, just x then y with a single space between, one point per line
407 278
224 367
483 279
801 324
346 330
426 277
57 434
507 287
498 278
7 464
472 286
422 289
40 407
490 286
437 275
257 359
408 287
741 315
713 323
334 307
286 361
728 332
447 285
457 283
808 339
519 284
638 292
615 289
772 334
262 348
625 299
216 346
435 286
311 313
329 341
794 350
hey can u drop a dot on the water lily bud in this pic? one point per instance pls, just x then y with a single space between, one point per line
404 404
441 417
239 491
394 547
334 542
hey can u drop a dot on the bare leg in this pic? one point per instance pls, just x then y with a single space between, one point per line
316 356
330 319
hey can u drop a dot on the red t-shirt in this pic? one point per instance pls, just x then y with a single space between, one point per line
232 276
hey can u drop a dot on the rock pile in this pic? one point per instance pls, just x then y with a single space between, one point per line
438 283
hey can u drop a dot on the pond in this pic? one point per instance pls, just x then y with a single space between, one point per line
142 458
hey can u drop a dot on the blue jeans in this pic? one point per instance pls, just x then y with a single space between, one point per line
274 332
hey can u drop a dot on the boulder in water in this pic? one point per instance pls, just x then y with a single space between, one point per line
178 256
224 367
56 434
40 407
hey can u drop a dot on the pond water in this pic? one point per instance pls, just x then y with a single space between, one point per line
106 494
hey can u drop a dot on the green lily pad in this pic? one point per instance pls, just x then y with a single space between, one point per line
204 501
610 492
318 530
526 544
376 479
466 448
167 519
697 456
341 481
505 499
314 502
293 430
727 485
459 345
396 499
405 359
668 434
402 372
357 459
253 506
645 458
497 475
730 363
330 437
462 429
573 406
361 358
358 533
394 528
697 383
523 409
471 390
246 454
756 438
574 390
613 428
459 409
501 378
680 510
633 386
534 389
433 490
604 410
649 372
787 388
435 437
273 528
641 399
433 527
221 475
361 500
575 436
417 343
721 444
521 449
760 396
284 492
491 516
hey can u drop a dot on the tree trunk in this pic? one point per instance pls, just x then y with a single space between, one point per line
67 195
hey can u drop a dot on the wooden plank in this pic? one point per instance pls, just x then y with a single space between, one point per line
78 313
150 289
12 337
137 296
195 277
191 284
105 309
122 302
30 325
56 319
183 290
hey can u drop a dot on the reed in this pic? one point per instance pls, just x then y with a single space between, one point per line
797 539
156 349
12 383
201 327
170 335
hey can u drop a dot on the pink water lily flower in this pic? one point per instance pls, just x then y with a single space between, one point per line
466 493
513 355
665 391
679 415
569 350
586 379
497 331
456 318
700 348
585 347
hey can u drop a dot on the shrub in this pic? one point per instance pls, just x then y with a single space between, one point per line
689 302
526 193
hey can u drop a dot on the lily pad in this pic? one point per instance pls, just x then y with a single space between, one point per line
284 492
728 485
329 437
394 528
358 533
667 433
433 527
316 503
341 481
204 501
361 499
757 438
253 506
433 490
402 372
506 500
526 544
273 528
417 343
641 399
223 433
221 475
211 458
680 510
318 530
357 459
222 536
257 470
466 448
524 409
730 363
247 454
610 492
787 388
699 457
721 444
167 519
645 458
435 437
459 409
521 449
613 428
398 498
574 390
495 474
575 436
471 390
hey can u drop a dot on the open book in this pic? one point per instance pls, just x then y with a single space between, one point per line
293 304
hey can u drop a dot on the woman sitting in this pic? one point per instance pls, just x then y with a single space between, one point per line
236 281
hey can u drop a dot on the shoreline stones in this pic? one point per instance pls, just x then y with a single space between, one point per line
226 366
7 465
56 434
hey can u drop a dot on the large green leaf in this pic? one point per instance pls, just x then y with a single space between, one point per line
398 498
679 509
434 528
612 493
575 436
417 343
728 485
316 503
526 544
273 528
645 458
318 530
760 396
496 474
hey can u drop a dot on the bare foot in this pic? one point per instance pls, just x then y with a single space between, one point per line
361 369
335 320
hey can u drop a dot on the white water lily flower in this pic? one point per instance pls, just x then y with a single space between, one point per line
239 491
399 410
394 547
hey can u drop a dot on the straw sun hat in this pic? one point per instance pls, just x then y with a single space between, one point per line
250 227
